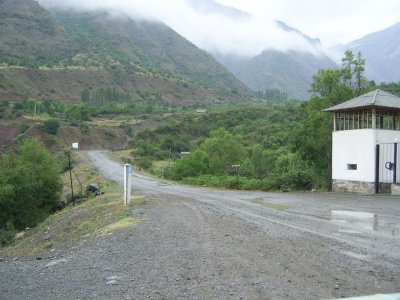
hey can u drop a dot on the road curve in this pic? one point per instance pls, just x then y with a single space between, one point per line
374 228
202 243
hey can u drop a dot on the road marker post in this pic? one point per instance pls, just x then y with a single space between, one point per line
127 183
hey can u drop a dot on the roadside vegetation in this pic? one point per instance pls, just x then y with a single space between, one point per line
30 187
269 147
94 216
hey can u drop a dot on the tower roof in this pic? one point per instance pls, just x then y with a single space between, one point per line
377 98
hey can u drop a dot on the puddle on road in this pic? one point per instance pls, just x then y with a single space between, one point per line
271 205
364 221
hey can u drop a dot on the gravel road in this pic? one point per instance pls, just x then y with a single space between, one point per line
201 243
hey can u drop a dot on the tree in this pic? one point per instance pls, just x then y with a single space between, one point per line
347 68
194 164
78 112
51 126
359 68
30 185
260 162
85 95
352 72
330 87
223 150
312 139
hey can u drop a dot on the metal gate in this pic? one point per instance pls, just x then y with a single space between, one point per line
387 168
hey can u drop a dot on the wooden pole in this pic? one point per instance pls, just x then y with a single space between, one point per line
70 178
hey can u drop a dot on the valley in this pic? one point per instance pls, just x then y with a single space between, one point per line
222 116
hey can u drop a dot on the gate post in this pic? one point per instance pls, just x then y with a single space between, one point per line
127 183
377 169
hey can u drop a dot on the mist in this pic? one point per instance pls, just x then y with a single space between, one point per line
209 28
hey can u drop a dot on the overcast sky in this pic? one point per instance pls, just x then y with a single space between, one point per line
333 21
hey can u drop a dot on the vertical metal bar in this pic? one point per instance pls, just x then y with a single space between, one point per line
377 169
395 163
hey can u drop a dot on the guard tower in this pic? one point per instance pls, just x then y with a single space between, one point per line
365 152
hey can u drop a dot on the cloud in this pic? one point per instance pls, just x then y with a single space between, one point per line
333 21
213 30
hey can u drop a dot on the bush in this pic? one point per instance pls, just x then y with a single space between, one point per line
250 184
296 179
51 126
51 140
84 129
270 184
23 128
145 163
6 235
29 186
146 149
189 166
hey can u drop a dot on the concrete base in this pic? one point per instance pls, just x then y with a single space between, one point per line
395 189
353 186
361 187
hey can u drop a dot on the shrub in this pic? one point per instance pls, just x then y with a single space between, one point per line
23 128
51 140
51 126
145 163
250 184
84 129
296 179
29 186
6 235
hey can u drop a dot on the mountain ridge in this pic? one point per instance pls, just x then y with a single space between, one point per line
118 52
290 71
381 50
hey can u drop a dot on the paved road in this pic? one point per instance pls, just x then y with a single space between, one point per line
201 243
370 223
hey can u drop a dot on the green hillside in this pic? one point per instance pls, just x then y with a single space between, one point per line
58 54
290 71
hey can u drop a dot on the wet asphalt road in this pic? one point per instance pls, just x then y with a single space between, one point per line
369 223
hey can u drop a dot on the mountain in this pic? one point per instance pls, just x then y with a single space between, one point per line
56 54
212 7
381 51
28 32
290 71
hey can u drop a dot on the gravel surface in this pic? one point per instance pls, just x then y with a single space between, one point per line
200 243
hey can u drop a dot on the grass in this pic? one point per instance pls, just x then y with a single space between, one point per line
271 205
160 166
94 217
114 122
38 117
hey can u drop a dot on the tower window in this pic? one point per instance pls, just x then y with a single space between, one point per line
351 166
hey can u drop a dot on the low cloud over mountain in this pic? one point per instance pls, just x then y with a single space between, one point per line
207 24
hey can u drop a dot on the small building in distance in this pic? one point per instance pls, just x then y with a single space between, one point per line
365 143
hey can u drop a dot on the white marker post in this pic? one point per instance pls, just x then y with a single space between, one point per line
127 184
